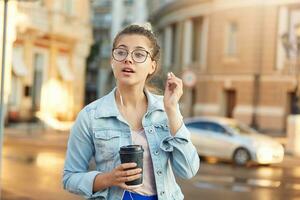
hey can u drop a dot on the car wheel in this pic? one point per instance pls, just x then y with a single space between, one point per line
241 156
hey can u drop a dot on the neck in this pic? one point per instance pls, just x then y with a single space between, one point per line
130 96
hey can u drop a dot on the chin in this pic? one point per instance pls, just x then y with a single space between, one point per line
129 82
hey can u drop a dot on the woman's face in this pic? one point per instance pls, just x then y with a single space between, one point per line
134 68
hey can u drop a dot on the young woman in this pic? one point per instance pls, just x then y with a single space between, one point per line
130 114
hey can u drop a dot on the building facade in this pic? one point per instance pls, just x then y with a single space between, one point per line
53 39
98 60
236 50
109 17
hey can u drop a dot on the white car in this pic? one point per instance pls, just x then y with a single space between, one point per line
229 139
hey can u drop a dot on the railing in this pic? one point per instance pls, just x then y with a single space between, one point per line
36 17
55 22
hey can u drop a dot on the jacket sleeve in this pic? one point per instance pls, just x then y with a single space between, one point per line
184 157
76 175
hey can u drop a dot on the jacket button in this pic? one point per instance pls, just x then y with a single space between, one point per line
162 193
156 152
159 172
151 130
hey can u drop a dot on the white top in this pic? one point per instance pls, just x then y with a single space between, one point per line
148 187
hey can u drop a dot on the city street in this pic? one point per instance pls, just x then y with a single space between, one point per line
225 181
232 67
33 171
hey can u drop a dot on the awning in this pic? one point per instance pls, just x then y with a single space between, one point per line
18 66
64 68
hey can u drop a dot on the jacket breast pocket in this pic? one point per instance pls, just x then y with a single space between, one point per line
107 144
162 130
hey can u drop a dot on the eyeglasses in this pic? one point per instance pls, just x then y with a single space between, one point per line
137 55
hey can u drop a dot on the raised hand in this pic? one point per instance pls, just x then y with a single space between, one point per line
173 92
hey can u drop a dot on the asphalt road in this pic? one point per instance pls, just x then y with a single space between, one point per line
34 172
222 181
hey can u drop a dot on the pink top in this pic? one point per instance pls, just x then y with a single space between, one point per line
148 187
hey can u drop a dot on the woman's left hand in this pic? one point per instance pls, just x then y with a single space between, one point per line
173 92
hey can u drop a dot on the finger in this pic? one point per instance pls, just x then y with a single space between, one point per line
124 186
131 172
129 188
130 178
176 81
125 166
133 187
173 77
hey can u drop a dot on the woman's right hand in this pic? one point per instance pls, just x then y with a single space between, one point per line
124 173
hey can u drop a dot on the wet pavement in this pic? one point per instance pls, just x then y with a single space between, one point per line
219 180
33 162
32 165
33 172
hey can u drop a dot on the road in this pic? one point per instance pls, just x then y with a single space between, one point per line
34 172
222 181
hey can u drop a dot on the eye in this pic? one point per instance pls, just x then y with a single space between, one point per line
120 52
140 54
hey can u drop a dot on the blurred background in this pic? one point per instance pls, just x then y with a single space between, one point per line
239 61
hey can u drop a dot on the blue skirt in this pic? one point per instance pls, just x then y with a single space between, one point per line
134 196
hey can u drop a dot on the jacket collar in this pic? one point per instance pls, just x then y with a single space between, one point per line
107 106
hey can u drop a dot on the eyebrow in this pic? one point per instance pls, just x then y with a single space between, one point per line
137 47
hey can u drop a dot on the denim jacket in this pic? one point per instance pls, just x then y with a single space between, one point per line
99 132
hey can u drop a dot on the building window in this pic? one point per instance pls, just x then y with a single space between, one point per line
68 7
37 80
15 96
174 43
128 2
196 43
231 40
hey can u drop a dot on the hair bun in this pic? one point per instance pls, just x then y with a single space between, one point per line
146 25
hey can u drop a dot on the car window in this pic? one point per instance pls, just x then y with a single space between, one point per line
210 126
207 126
197 125
241 128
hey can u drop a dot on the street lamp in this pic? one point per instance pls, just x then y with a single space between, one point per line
2 73
288 46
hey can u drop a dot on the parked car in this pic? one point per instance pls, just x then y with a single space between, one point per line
230 139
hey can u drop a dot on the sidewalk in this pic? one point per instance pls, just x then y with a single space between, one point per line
34 137
39 134
35 134
9 195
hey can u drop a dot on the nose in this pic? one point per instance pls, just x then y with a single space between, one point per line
128 59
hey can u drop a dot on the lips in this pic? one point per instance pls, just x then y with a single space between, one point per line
128 70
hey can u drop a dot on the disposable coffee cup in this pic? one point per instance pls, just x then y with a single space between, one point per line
133 153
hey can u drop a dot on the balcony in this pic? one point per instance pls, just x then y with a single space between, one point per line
33 17
54 22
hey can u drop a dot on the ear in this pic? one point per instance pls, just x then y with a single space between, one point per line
153 67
